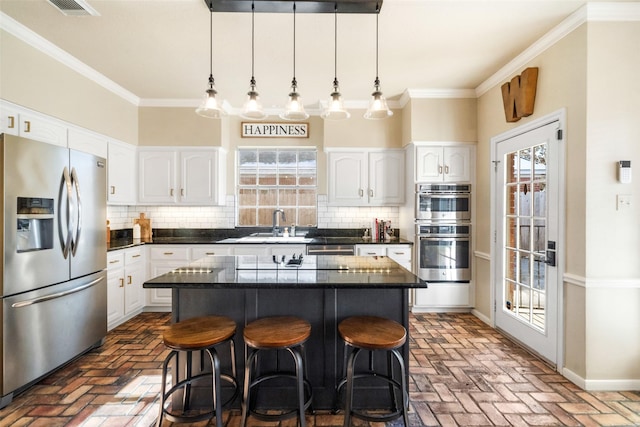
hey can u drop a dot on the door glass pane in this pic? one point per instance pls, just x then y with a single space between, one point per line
525 234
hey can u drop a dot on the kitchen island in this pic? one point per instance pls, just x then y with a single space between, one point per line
321 289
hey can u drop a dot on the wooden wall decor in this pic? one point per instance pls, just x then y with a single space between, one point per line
519 95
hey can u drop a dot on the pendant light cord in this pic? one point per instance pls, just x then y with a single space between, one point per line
335 44
211 38
253 7
294 42
377 14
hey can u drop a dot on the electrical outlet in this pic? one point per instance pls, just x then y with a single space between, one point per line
623 202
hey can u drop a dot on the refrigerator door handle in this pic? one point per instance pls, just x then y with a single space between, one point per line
49 297
66 242
76 184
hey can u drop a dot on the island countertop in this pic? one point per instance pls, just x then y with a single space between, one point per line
270 272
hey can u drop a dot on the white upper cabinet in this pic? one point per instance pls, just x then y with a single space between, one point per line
366 178
87 141
30 124
122 175
443 164
188 176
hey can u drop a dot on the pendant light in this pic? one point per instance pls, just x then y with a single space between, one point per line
252 108
335 109
210 107
378 108
294 109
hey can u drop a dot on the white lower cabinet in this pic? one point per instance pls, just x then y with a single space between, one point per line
443 296
125 276
400 253
163 259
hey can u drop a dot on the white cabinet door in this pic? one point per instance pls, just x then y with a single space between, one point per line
188 176
442 297
10 119
429 164
122 174
134 275
443 164
115 289
348 178
41 128
386 177
88 142
157 175
199 176
457 164
366 178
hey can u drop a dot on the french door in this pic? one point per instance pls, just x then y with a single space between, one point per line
527 233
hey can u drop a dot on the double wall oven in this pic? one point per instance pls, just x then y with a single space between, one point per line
443 232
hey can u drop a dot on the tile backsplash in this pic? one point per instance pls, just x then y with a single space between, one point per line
121 217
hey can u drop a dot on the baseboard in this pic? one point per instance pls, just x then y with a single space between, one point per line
423 309
601 385
482 317
156 309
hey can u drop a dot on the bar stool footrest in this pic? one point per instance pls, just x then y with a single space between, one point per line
308 399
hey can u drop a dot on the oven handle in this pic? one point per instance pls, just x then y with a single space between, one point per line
446 239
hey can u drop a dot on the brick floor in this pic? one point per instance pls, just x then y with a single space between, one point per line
463 373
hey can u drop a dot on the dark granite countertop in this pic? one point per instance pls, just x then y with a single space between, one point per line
123 239
251 272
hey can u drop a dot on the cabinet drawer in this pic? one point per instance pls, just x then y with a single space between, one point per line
132 256
115 259
170 253
371 250
204 251
399 253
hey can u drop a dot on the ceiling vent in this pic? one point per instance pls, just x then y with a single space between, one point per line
74 7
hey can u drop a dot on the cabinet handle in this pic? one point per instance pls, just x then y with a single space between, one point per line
121 283
182 192
371 253
446 169
361 192
439 169
171 192
210 253
27 126
168 253
370 192
12 123
115 261
136 256
398 253
130 280
113 189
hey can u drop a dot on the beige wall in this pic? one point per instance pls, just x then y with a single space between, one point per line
34 80
613 236
443 119
590 72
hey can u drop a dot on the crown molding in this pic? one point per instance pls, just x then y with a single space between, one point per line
595 12
36 41
410 94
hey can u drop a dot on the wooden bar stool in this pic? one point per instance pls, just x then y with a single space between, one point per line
371 333
198 334
276 333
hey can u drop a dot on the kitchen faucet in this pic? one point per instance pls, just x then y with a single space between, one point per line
275 220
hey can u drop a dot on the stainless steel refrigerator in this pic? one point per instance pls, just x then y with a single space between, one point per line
53 274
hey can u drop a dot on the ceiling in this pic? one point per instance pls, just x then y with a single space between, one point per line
159 49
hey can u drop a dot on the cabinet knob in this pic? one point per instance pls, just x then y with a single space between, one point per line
12 122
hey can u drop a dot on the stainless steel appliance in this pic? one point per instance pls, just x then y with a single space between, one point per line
450 202
53 285
444 251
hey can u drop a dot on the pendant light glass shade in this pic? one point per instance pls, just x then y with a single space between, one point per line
294 110
335 109
209 107
252 108
378 108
